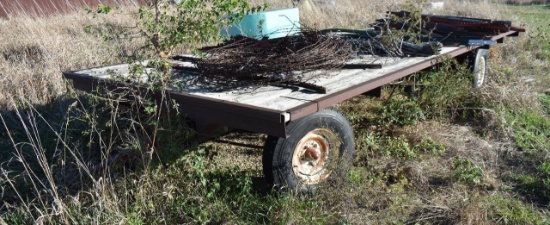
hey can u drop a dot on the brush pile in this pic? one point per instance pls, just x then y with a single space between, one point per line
292 59
389 45
298 59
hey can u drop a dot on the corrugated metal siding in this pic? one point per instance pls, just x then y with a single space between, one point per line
48 7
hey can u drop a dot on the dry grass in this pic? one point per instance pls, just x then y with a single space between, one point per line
36 50
359 14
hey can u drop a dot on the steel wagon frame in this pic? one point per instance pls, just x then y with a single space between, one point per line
276 110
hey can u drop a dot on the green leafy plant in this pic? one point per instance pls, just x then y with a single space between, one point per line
531 129
414 7
466 171
166 26
544 174
537 184
506 210
430 146
402 147
399 111
101 9
399 147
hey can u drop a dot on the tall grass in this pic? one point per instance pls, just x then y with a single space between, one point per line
52 7
446 154
36 50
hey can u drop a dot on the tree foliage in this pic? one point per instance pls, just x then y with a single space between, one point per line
189 22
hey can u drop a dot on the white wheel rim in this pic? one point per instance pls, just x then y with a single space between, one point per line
479 73
312 155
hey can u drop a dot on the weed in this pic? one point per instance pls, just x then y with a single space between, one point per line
467 172
534 184
505 210
545 103
531 129
398 147
400 112
429 146
543 174
448 93
16 218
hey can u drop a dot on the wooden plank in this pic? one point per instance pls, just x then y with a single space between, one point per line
286 98
279 98
201 110
267 109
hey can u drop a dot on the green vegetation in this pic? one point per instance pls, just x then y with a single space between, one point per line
465 171
531 129
439 153
537 17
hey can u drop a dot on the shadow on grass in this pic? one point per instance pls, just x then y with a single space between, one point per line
67 147
526 180
31 149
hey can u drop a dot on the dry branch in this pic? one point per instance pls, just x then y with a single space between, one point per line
289 60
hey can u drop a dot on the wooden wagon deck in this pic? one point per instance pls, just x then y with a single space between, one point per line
267 109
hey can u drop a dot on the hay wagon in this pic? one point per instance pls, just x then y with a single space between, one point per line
308 140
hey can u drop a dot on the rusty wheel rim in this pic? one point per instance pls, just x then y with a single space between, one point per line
313 156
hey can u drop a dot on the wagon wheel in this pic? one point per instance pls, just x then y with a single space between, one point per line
320 148
480 67
478 64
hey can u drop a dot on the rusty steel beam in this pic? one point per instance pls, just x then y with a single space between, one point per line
209 112
233 115
206 112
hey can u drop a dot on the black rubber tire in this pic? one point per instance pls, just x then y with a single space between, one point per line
278 152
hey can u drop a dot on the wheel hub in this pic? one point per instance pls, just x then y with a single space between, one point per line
312 155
